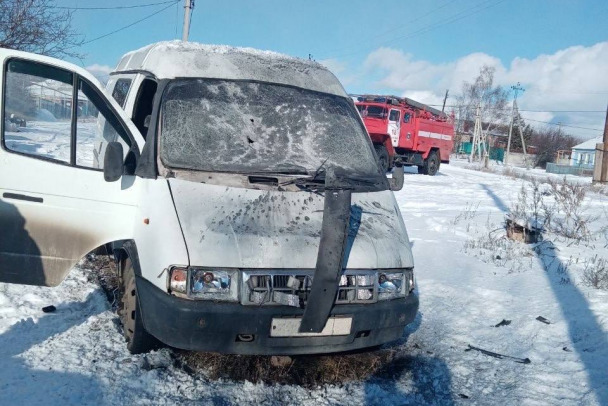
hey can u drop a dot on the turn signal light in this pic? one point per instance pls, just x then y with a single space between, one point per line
177 282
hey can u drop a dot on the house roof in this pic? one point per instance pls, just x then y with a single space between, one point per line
589 144
178 59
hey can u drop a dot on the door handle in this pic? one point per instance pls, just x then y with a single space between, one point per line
17 196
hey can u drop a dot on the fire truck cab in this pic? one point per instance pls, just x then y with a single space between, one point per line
405 132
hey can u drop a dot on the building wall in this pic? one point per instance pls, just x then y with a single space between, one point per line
584 158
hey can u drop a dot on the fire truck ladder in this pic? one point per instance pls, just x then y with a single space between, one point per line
396 101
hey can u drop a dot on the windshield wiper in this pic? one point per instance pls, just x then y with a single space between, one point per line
314 179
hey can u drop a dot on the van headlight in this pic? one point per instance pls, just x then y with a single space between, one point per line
204 283
392 285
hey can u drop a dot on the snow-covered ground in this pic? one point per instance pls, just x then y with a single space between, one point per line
76 355
51 139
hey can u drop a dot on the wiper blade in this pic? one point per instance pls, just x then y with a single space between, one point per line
316 179
290 168
367 180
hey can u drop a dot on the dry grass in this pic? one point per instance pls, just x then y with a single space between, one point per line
103 271
595 273
308 371
570 204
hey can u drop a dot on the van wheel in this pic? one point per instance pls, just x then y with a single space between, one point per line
138 339
431 165
382 157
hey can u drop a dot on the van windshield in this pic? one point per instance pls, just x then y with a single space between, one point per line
244 127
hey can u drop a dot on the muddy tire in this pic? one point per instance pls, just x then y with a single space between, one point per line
138 339
382 157
431 165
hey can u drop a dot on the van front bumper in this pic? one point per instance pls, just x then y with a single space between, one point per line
216 326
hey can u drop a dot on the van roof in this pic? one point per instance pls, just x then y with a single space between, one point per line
178 59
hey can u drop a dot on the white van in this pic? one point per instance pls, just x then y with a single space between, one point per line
238 191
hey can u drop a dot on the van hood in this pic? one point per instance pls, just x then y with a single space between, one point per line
247 228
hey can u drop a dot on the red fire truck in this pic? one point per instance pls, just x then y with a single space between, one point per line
405 132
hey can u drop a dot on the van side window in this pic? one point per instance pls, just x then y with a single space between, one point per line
407 117
121 90
38 110
96 126
394 115
143 106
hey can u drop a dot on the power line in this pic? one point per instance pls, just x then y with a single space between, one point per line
115 7
562 111
567 92
459 16
132 24
449 20
563 125
527 111
421 17
400 26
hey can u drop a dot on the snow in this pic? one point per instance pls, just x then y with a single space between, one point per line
52 139
76 355
589 144
173 59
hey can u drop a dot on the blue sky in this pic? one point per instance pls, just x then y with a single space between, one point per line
411 48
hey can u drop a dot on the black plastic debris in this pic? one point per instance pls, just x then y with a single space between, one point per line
499 356
567 349
543 320
503 323
463 396
49 309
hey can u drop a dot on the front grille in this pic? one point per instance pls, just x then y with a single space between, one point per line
292 288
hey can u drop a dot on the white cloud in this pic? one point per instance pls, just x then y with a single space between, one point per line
101 72
571 79
339 69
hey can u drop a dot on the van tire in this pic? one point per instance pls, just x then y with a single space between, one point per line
138 339
382 154
431 164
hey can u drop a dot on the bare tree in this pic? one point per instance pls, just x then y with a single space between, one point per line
548 141
494 101
527 131
38 26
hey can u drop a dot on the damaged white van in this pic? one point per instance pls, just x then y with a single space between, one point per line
238 191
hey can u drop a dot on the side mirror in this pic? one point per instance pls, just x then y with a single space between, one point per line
396 182
113 163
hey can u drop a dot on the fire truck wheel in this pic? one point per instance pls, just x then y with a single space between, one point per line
382 157
431 165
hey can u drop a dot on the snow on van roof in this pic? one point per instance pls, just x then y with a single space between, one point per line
174 59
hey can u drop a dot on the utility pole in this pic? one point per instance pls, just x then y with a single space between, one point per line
600 174
516 89
476 134
445 99
188 6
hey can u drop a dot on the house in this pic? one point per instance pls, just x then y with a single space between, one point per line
583 155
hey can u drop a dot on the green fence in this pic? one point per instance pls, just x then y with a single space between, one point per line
496 154
568 170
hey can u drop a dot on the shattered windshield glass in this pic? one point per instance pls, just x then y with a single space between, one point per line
243 126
